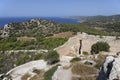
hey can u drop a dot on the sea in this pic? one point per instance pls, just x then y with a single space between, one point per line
7 20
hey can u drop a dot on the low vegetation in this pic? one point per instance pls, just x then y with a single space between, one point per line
81 69
99 46
87 63
85 53
11 43
75 60
15 59
48 74
100 60
82 28
25 77
85 72
11 60
38 76
52 57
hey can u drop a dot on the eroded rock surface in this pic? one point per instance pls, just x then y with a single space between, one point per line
110 70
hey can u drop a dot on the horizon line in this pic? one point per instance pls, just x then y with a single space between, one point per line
56 16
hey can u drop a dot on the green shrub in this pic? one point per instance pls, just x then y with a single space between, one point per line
75 59
48 74
38 56
87 63
98 66
85 53
99 46
51 43
52 57
24 58
100 36
2 59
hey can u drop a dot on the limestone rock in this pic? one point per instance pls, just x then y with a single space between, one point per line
110 70
28 68
62 74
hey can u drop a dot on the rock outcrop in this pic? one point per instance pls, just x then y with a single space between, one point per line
110 70
71 47
26 69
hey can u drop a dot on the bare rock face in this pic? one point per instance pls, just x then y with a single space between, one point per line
110 70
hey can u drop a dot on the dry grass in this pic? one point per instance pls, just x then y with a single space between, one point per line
39 76
84 78
67 67
25 77
62 35
25 38
81 69
99 61
71 54
86 72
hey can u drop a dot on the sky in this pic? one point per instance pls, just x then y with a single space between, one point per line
56 8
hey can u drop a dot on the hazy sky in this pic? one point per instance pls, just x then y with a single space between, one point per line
48 8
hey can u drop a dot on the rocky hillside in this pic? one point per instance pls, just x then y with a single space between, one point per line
32 27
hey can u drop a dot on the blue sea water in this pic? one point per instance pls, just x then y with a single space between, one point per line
4 21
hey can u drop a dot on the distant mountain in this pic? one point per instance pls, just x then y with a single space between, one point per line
7 20
96 18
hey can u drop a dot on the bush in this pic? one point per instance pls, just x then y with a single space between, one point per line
24 58
48 75
75 59
85 53
88 63
38 56
52 57
99 46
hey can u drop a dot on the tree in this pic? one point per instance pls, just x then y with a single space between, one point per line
99 46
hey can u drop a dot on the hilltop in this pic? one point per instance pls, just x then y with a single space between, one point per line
32 27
